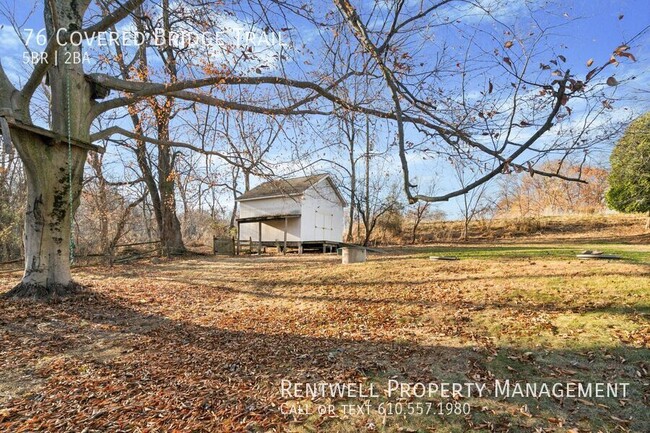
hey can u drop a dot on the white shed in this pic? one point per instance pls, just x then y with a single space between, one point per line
303 212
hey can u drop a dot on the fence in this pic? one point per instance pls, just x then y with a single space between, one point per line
223 246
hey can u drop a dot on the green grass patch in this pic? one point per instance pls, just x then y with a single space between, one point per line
569 252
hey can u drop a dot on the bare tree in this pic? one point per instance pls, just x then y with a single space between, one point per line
349 140
523 195
518 105
249 139
376 202
474 202
108 207
350 131
12 201
419 211
158 168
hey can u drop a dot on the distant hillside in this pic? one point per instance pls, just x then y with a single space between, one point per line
619 227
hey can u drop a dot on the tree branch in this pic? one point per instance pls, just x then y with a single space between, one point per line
499 169
112 18
141 90
361 33
7 89
121 131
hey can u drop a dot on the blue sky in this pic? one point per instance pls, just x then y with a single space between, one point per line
585 30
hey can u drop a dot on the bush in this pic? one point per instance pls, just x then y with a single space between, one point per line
629 178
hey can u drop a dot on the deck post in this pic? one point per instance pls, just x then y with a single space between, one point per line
259 233
286 223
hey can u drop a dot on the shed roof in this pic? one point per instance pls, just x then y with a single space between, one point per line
283 187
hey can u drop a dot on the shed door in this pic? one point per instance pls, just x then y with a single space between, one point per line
323 225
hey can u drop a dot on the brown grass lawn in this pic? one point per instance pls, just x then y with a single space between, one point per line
202 343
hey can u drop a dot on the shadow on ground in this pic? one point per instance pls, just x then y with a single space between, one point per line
100 361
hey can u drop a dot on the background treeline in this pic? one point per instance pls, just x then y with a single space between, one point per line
116 217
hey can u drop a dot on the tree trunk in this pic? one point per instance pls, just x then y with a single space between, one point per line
53 172
171 237
162 195
247 180
353 192
349 237
369 226
48 216
101 206
415 231
233 214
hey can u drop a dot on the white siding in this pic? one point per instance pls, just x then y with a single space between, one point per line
269 206
322 214
272 231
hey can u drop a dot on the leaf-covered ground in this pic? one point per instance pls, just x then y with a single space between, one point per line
202 343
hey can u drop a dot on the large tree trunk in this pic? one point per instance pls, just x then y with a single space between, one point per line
171 236
48 216
52 198
162 195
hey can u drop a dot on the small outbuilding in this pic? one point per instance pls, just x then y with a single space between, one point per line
302 212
